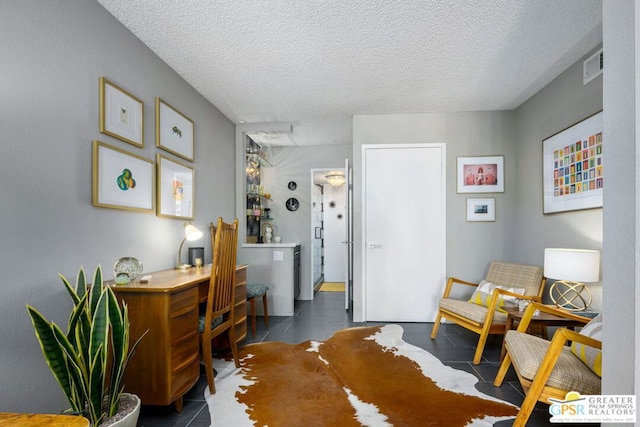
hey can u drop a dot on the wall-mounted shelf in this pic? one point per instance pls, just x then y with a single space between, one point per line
258 195
257 158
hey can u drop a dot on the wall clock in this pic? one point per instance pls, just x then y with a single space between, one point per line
292 185
293 204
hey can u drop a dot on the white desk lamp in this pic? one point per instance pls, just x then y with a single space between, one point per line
572 267
190 233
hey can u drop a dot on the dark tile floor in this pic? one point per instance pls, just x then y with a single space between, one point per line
320 318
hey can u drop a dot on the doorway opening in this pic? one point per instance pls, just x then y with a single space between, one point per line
328 230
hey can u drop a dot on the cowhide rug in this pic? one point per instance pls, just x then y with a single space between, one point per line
359 377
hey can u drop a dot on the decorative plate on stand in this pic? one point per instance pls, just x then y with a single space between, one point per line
126 269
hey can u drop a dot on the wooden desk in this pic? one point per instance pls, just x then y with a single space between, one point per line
514 316
166 364
41 420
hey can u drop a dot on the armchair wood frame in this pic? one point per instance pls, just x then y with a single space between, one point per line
537 390
488 326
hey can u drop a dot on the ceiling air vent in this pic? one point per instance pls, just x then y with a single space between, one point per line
592 67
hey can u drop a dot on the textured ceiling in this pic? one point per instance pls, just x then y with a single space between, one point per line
315 64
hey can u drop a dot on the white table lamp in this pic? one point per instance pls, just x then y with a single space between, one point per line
571 268
190 233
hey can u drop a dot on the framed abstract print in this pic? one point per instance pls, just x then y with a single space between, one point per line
572 167
122 180
176 191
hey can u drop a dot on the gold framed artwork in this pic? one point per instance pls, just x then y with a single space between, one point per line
121 113
174 130
176 189
572 167
122 180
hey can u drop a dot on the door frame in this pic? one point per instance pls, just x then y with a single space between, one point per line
348 238
314 171
363 240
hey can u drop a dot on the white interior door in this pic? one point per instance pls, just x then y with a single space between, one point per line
403 231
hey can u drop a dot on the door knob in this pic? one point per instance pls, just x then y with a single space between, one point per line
372 245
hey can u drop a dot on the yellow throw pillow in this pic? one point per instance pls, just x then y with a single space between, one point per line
484 292
592 357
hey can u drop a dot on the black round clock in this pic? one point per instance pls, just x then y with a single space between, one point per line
293 204
292 185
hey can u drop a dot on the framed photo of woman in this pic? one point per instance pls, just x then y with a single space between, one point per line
483 174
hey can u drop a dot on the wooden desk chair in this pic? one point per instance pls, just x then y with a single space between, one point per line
485 319
218 316
550 369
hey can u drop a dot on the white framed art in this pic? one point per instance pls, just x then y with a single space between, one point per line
479 210
483 174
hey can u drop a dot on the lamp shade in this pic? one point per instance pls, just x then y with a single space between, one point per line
576 265
191 232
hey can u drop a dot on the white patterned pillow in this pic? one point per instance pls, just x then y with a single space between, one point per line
484 292
592 357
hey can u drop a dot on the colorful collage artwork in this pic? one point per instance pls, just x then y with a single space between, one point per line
578 167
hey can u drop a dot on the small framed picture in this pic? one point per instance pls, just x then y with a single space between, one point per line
174 131
122 180
479 210
481 174
121 114
176 190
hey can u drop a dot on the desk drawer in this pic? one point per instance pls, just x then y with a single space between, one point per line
183 301
240 305
183 320
241 293
185 371
184 324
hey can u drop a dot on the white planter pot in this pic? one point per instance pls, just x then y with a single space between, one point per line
129 420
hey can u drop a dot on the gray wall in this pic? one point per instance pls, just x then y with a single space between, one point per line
521 231
53 53
466 134
621 245
560 104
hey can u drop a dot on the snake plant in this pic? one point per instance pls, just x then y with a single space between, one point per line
97 338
